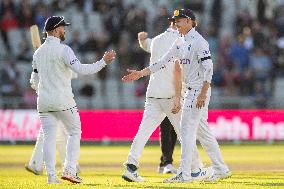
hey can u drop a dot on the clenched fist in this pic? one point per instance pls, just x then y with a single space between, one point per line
142 36
109 56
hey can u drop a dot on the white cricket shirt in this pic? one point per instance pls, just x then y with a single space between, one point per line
53 63
193 51
161 84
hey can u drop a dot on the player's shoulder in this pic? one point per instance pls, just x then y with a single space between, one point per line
66 48
200 40
158 37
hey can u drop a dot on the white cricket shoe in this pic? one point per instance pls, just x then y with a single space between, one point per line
178 178
218 176
69 176
33 169
53 179
132 177
203 174
169 169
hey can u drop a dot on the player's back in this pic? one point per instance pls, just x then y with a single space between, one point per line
54 89
161 84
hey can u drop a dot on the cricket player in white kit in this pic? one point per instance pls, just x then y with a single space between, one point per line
53 63
35 164
193 52
163 98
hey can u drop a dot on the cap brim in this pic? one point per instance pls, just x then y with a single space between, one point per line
171 19
65 24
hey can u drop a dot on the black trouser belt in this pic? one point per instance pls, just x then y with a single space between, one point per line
159 98
58 110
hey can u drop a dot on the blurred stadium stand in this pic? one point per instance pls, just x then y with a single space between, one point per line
246 40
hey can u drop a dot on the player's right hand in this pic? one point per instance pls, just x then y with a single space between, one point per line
132 75
176 106
109 56
142 36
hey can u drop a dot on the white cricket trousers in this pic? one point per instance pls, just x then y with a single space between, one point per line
194 126
61 141
71 121
155 112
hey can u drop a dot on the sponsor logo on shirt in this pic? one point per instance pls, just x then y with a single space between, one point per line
185 61
189 46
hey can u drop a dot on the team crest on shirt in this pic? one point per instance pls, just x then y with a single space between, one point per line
189 46
206 52
73 61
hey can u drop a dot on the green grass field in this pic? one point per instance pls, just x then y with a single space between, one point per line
253 166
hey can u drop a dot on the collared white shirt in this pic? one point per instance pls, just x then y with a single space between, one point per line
193 51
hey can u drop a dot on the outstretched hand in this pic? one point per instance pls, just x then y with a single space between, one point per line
109 56
132 75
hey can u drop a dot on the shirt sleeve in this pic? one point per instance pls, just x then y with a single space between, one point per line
72 61
146 44
34 80
204 56
173 53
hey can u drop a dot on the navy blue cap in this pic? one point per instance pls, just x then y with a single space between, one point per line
183 13
55 21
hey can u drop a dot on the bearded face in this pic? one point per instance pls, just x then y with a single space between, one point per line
62 36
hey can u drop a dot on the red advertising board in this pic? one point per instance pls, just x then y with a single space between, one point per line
122 125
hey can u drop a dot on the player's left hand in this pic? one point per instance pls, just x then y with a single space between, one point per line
132 75
177 106
200 101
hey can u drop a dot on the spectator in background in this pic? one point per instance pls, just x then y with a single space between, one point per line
216 15
248 38
25 14
243 19
212 38
114 23
7 5
161 22
76 43
279 20
123 54
260 65
95 43
247 83
25 53
217 78
8 22
135 21
231 79
239 56
9 74
41 15
259 39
